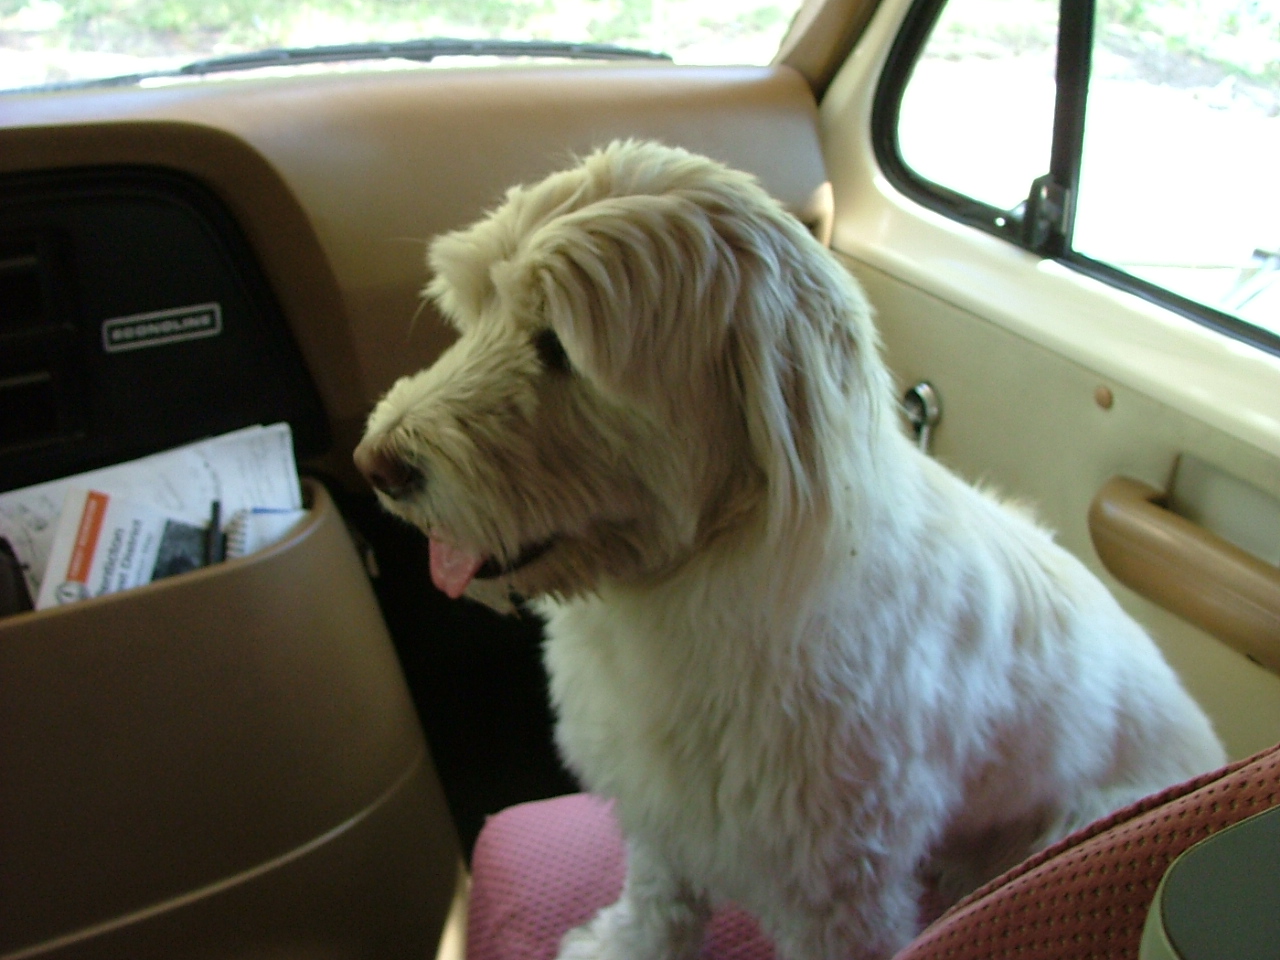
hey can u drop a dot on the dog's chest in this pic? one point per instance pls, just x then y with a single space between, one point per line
632 705
677 724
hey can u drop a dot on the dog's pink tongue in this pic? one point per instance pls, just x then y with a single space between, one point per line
452 568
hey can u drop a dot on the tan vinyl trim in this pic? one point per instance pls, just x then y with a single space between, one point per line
225 883
1188 570
221 757
453 939
822 36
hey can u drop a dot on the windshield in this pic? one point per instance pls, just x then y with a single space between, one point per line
56 42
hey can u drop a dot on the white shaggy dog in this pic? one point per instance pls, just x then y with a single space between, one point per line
819 673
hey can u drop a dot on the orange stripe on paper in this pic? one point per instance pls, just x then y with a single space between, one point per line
95 508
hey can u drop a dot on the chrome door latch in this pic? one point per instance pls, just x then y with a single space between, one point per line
923 408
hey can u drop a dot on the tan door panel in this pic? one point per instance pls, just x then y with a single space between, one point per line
1027 422
1053 383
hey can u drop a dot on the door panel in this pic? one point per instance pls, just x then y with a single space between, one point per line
1024 420
1052 383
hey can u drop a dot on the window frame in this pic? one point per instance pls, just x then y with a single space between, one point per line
1048 236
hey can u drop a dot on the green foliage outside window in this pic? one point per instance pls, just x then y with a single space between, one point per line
1241 35
142 26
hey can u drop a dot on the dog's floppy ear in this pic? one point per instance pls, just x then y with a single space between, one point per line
808 374
464 262
460 282
461 262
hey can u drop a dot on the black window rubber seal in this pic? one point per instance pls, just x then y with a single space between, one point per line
903 53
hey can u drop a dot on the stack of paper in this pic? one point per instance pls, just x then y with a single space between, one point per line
128 524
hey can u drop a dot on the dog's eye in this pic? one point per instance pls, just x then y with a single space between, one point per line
551 351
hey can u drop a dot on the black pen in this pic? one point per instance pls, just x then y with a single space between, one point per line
213 551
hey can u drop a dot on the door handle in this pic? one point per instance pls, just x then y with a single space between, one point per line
1187 569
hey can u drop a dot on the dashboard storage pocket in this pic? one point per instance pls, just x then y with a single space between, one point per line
224 762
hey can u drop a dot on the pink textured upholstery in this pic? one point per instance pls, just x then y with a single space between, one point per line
1088 895
539 869
542 868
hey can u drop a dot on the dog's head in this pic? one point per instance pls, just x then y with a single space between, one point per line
652 356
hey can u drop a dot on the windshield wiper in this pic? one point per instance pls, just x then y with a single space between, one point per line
421 51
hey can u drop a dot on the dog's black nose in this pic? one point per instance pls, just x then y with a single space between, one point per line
386 471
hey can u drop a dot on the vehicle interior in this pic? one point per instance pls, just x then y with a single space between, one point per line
292 753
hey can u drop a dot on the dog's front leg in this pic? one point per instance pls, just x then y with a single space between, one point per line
658 917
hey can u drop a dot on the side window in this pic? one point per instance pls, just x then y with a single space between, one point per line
1137 140
977 110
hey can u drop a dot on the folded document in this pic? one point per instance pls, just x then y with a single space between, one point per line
128 524
104 543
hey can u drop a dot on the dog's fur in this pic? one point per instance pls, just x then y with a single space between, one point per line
819 673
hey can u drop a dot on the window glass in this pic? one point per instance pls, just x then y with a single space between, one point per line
1180 173
977 111
52 41
1178 168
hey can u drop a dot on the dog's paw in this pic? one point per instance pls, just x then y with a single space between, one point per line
618 933
583 943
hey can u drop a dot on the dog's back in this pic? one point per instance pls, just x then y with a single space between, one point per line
959 693
1074 712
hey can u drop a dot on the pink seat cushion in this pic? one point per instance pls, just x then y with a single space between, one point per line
540 869
1088 895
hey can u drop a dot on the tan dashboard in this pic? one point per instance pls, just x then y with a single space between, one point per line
340 181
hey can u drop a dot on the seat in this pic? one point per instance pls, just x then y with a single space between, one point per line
541 868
